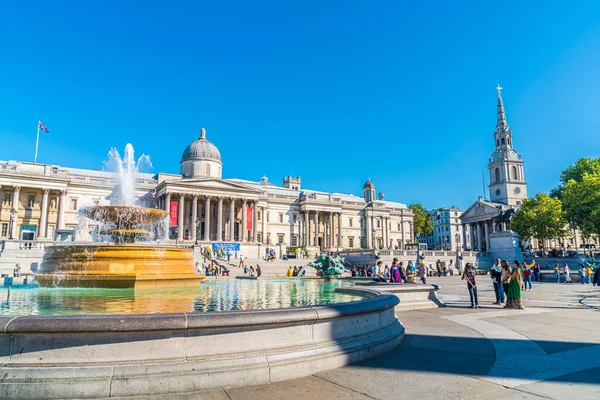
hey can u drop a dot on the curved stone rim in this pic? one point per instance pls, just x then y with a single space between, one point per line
376 301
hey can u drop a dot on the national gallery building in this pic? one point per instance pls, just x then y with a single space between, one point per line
40 203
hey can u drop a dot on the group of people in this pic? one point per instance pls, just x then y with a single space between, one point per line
396 274
251 271
508 282
270 254
296 271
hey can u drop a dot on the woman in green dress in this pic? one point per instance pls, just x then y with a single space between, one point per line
513 297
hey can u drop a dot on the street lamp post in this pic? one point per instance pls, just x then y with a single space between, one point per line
13 216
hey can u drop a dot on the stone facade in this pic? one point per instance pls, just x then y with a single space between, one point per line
40 202
448 231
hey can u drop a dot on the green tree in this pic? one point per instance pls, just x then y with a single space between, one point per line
575 172
581 200
422 224
540 217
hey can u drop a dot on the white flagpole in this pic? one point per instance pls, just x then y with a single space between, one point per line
37 141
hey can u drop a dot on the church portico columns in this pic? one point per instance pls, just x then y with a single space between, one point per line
479 238
487 235
464 234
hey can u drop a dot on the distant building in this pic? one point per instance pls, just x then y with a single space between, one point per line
447 230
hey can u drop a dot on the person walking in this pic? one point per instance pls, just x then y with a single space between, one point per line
582 273
258 271
567 274
469 275
526 276
514 295
438 267
557 273
422 273
588 274
241 263
496 275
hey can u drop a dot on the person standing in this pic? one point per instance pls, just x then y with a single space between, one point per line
567 274
258 271
557 273
582 273
514 295
588 274
596 278
505 277
496 275
469 275
526 276
438 267
241 264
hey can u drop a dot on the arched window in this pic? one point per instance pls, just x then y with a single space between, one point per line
457 238
497 174
514 173
503 143
509 142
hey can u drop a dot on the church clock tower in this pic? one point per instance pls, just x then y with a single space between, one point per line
507 180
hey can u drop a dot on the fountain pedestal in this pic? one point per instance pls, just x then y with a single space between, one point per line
121 265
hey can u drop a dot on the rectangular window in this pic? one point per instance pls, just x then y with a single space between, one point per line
399 226
73 204
295 218
259 216
351 242
280 219
4 230
350 223
8 199
267 213
378 223
30 201
294 240
259 237
51 229
280 238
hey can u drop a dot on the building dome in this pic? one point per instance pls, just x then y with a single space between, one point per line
369 185
201 149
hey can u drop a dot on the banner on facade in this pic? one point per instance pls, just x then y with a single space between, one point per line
226 246
249 218
173 211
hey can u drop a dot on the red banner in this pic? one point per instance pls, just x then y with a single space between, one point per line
249 218
173 211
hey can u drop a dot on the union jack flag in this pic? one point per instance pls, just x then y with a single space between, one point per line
43 127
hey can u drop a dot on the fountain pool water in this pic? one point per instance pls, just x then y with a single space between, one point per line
212 296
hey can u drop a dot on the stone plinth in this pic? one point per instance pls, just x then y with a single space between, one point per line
505 246
412 297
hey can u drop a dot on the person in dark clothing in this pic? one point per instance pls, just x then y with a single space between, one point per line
496 275
596 277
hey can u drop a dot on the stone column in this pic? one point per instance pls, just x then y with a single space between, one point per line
306 228
339 239
487 236
61 209
231 219
244 221
180 217
194 235
472 234
330 235
373 232
402 229
44 216
479 241
254 221
220 219
207 219
264 225
464 234
367 231
316 221
168 210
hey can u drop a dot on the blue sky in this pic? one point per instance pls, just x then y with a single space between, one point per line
337 92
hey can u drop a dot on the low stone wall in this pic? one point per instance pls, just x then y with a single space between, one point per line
89 356
411 296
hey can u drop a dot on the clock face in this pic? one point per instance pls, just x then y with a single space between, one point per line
498 192
517 191
512 154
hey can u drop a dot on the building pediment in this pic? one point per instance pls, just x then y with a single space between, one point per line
213 186
481 210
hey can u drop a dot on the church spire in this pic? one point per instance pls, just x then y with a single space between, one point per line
501 124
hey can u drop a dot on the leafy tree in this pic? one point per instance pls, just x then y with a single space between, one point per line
540 217
581 200
575 172
422 224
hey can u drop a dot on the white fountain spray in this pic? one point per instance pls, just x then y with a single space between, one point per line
127 169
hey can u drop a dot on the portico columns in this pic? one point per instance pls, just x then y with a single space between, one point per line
479 241
339 235
220 219
316 220
403 237
244 221
373 232
306 237
472 233
464 234
231 219
194 223
181 214
61 209
367 231
168 210
44 216
330 235
487 236
207 219
254 222
264 225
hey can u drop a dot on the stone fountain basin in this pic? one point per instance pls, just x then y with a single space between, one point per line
93 356
124 216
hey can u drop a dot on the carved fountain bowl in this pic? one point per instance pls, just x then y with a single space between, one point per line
125 217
